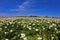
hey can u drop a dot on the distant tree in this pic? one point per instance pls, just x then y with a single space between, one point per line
46 16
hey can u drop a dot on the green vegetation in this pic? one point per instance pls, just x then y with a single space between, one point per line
29 28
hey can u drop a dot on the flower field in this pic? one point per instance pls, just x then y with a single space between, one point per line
29 29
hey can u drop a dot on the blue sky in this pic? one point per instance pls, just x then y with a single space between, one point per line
30 7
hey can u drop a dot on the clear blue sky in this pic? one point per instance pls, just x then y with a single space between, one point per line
30 7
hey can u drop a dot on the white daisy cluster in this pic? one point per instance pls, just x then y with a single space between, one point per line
29 29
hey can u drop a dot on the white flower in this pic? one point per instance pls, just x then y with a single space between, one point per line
0 29
37 21
52 38
11 30
48 22
43 28
29 28
39 38
29 23
7 23
18 35
25 38
6 39
33 27
19 22
10 22
5 32
22 35
51 26
54 24
38 24
5 27
24 26
37 29
33 24
12 25
55 28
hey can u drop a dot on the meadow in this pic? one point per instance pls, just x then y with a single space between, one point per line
29 28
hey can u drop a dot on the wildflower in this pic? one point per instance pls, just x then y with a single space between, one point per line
0 29
43 28
39 38
5 32
37 29
19 22
48 22
37 21
7 23
5 26
6 39
33 24
54 24
52 38
22 35
33 27
29 28
29 23
24 26
51 26
10 22
12 25
38 24
55 28
11 30
25 38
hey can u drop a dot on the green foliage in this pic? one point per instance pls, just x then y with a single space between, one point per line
32 29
